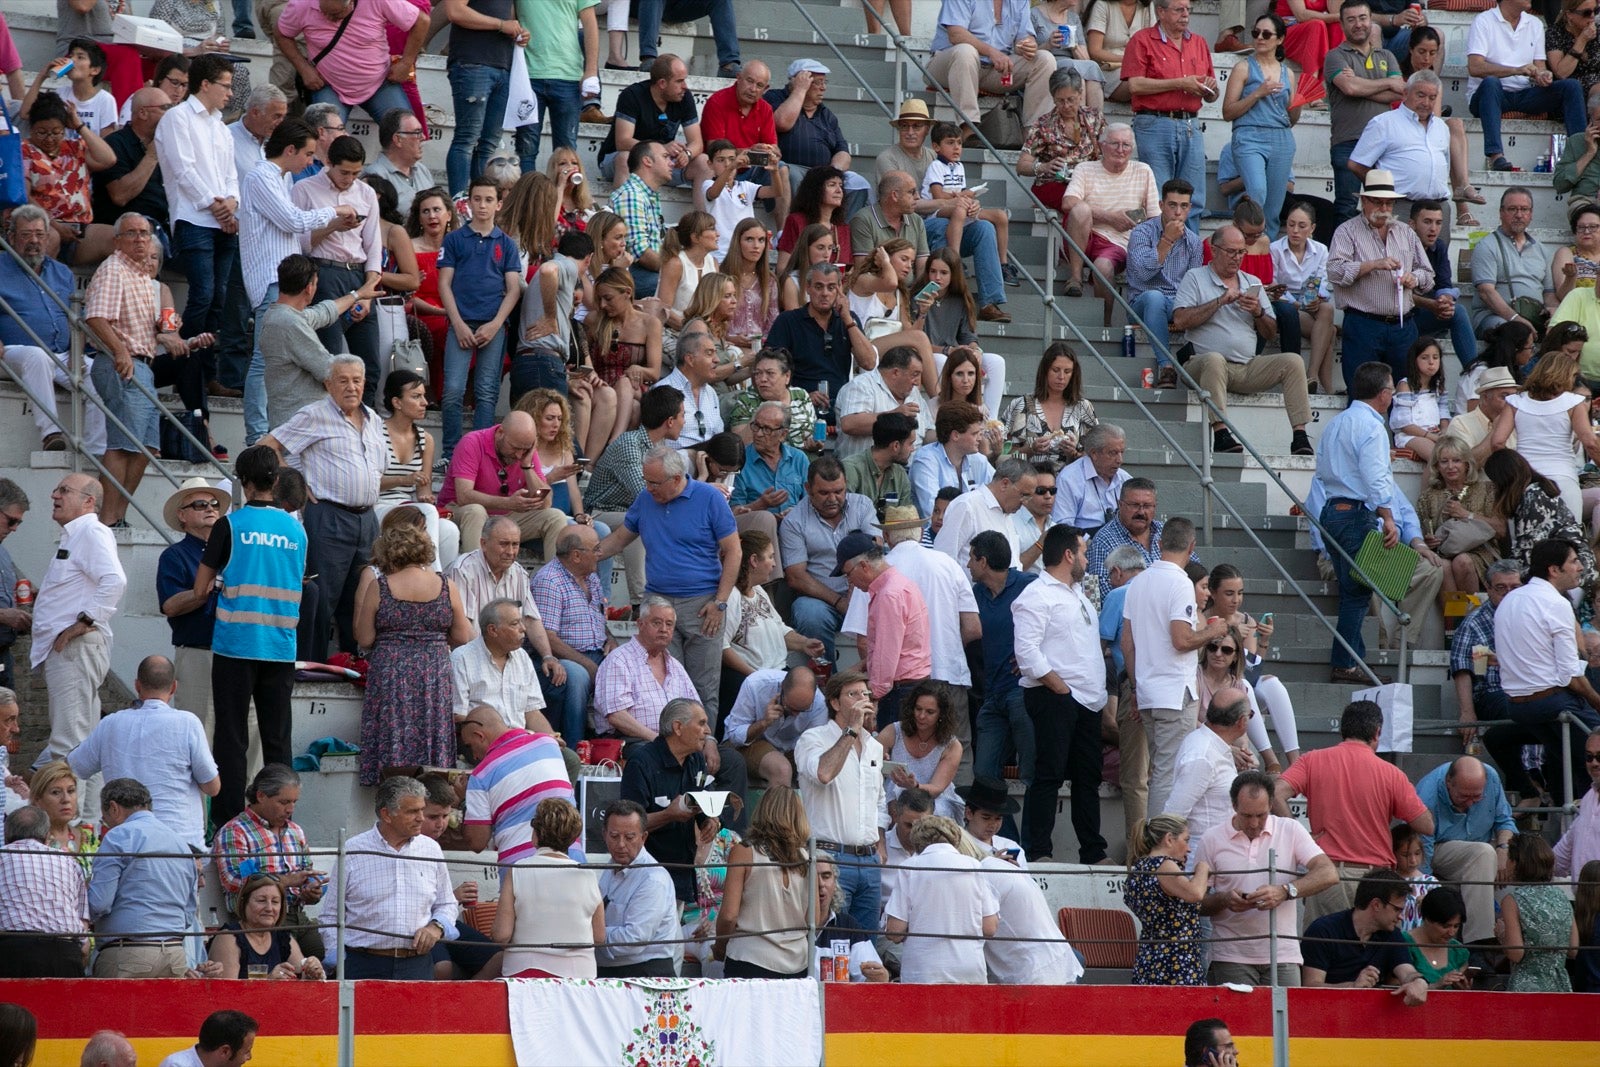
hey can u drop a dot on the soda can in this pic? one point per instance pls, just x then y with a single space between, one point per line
841 960
585 751
1005 80
819 430
169 320
1147 378
22 596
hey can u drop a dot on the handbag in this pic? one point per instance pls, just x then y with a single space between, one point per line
522 107
396 346
1462 535
878 326
344 24
13 186
1002 124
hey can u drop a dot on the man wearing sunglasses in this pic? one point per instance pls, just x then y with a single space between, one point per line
13 620
192 511
1581 842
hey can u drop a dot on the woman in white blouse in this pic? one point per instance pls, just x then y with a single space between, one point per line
1551 421
754 635
551 913
1300 262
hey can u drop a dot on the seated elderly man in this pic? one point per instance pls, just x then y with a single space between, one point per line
44 901
1471 839
1511 267
1134 524
41 318
495 471
1225 314
640 678
618 476
991 46
1105 199
773 477
641 905
892 387
1474 428
879 474
1088 489
515 769
265 839
125 320
772 710
495 670
809 538
572 600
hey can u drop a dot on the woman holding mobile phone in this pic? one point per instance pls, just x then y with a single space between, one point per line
943 308
1260 102
924 740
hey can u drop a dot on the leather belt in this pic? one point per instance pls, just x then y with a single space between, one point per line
1392 320
1182 116
130 942
352 509
389 953
850 850
1531 697
340 264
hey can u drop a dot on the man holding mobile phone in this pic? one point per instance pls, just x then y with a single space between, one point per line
1226 315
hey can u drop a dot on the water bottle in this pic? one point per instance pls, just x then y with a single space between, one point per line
1127 342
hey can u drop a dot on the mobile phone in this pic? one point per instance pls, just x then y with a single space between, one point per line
1261 294
1011 854
890 766
927 292
361 218
1265 617
1137 214
759 159
583 461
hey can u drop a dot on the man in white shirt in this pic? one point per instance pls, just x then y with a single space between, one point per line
164 748
987 507
891 387
495 670
394 881
1412 143
1507 70
195 152
952 608
1536 644
72 613
841 785
771 712
1159 640
1087 488
1063 679
1205 766
641 910
227 1039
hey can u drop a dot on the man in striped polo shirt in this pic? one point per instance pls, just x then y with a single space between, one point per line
515 770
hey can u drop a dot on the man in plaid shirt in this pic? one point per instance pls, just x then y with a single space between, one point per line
639 204
43 895
265 839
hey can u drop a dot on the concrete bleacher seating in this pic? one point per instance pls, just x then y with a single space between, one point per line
774 31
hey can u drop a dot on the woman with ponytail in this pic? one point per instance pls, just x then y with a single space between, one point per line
1167 902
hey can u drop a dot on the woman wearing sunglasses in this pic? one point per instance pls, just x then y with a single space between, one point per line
1261 103
1268 692
1572 45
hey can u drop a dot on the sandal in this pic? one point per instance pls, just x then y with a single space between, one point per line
1467 194
1467 218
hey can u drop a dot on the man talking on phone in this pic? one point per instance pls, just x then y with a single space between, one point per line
1226 315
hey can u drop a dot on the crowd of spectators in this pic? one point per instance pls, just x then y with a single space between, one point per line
861 586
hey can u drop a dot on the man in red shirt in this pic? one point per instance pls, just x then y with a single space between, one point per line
1353 796
738 114
1168 70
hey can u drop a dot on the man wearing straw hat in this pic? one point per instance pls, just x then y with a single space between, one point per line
192 511
1472 428
1374 265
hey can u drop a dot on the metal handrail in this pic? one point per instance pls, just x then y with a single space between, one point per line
1203 469
73 433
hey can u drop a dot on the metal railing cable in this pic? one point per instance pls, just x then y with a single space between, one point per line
1203 468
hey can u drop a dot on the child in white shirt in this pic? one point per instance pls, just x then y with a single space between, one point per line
946 180
729 199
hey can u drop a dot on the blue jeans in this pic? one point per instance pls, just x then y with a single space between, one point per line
388 97
1366 339
486 384
977 241
1459 326
724 28
1265 158
533 368
1346 186
1003 725
477 91
560 105
255 378
816 619
861 887
1563 98
644 281
1154 309
575 704
241 17
1287 314
1348 522
207 257
1175 148
1398 41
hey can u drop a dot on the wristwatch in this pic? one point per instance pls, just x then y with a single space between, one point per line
850 732
1292 890
721 605
87 619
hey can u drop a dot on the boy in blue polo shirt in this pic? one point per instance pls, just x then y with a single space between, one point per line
478 303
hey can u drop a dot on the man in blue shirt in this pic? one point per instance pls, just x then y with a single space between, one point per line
691 558
1161 250
823 336
192 511
641 911
1003 723
809 134
1353 465
1471 840
139 906
42 319
773 477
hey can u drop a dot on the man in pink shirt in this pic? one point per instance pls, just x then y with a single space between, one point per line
1581 842
1244 895
1353 797
898 646
346 59
496 471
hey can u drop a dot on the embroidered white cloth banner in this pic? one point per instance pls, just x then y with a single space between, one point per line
664 1022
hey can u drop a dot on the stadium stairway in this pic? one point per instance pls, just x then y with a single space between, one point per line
773 30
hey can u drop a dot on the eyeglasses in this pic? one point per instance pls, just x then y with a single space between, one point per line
136 235
1226 650
63 490
203 504
1045 490
1262 35
176 83
12 521
1589 227
408 133
1221 251
505 486
1588 757
1585 13
756 427
699 422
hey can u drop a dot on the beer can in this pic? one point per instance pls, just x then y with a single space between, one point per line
819 430
1005 80
169 320
1147 378
841 960
22 596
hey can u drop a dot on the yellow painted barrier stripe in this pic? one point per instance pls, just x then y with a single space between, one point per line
302 1050
1029 1050
432 1050
1342 1052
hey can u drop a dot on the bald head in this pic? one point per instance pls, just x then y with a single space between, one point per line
1466 781
481 728
148 105
107 1048
517 433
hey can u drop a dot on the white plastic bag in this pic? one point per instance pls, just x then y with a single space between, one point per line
522 107
1396 701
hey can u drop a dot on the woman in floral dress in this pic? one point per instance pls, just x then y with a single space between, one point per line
1536 926
1167 903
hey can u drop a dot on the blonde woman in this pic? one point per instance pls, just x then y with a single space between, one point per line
624 346
761 925
1167 903
565 169
715 303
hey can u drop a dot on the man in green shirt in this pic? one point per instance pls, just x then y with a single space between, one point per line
564 72
880 473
